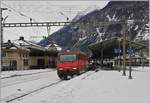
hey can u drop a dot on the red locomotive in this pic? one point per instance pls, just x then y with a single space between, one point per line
70 63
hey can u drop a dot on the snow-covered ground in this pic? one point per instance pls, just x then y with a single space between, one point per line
90 87
7 74
142 69
25 82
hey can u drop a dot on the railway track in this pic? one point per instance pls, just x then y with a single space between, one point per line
31 92
23 80
20 82
16 75
88 75
10 99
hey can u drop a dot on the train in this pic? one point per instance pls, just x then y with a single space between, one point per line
71 63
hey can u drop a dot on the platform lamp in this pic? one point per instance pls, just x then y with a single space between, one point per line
119 58
130 24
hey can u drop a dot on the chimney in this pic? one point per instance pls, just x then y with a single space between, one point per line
21 38
9 41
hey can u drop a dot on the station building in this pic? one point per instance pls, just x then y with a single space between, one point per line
21 54
14 57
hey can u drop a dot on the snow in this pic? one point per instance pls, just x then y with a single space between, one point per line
43 11
93 87
136 27
142 69
82 38
55 45
19 85
146 36
111 19
142 34
6 74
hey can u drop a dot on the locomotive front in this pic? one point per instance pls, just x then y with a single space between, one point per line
69 63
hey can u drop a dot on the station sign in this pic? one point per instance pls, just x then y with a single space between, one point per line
117 50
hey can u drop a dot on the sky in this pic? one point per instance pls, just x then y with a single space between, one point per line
43 11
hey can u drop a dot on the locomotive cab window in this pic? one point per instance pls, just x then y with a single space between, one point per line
68 58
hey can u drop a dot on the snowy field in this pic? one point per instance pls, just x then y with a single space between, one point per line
90 87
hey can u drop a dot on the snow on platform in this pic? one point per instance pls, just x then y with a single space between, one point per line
96 87
142 69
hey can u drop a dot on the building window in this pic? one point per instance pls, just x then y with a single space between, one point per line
3 54
26 55
20 55
23 54
25 62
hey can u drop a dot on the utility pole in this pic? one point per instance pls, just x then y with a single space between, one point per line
130 22
48 30
124 49
102 54
119 61
142 58
130 48
2 35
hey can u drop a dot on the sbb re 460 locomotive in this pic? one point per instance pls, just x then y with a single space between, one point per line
71 63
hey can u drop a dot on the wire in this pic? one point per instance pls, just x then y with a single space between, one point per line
20 13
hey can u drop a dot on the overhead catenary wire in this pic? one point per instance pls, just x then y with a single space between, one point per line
12 10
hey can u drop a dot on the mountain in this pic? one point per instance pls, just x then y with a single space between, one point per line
84 30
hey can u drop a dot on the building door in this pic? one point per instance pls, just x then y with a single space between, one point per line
41 63
13 65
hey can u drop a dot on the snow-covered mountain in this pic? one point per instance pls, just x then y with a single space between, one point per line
85 27
41 11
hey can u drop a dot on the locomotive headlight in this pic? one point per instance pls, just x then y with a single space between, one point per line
60 68
74 68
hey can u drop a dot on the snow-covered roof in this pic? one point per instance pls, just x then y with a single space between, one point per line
28 44
12 45
53 45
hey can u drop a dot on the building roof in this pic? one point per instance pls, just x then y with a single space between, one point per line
24 43
109 46
12 45
54 46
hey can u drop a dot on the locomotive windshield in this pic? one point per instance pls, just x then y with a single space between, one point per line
68 58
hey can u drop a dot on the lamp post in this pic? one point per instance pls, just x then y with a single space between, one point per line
119 61
130 69
130 23
124 49
101 54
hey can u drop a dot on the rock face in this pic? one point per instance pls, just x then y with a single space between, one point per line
83 31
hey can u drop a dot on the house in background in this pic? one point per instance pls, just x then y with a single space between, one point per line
39 57
21 54
14 57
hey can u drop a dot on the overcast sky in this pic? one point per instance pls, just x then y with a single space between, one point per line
41 11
